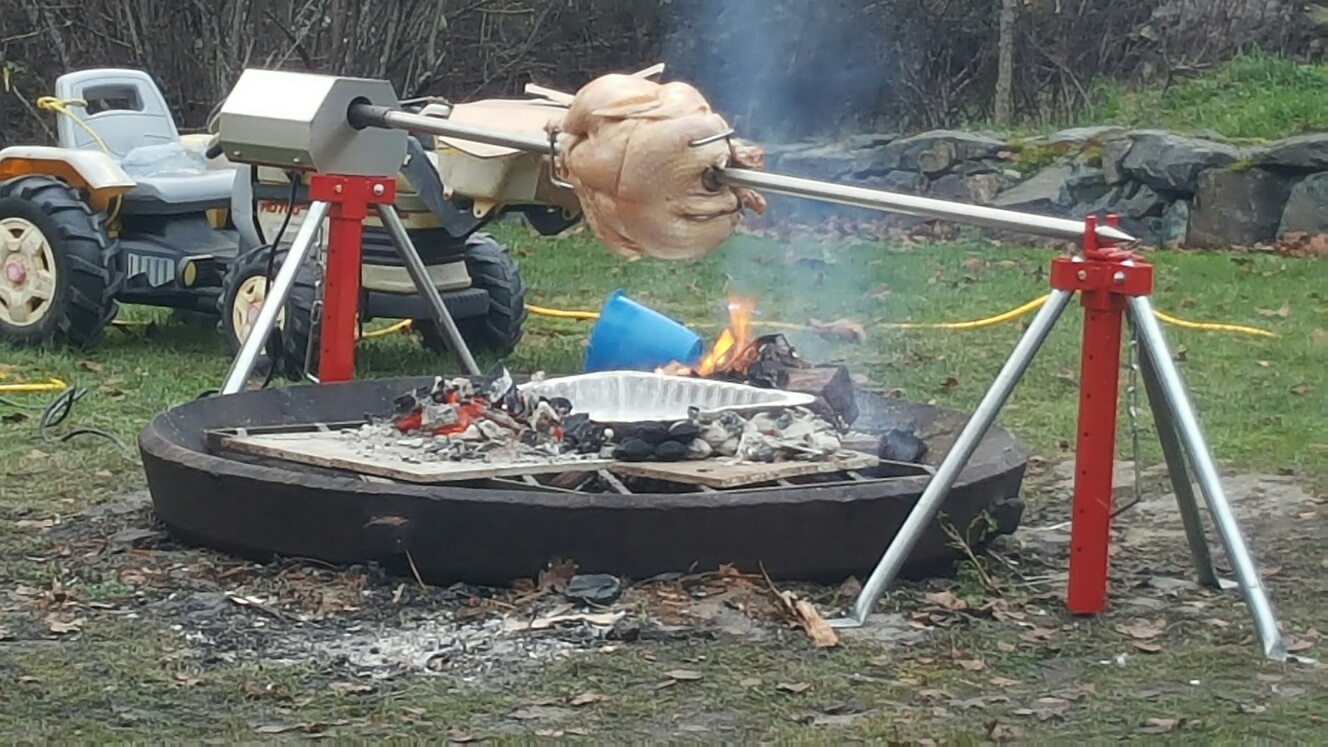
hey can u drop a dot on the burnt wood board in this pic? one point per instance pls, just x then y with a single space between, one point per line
719 473
330 450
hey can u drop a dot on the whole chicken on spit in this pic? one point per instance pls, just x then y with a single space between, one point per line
643 157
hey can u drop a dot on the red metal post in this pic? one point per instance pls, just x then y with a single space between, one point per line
1104 277
350 198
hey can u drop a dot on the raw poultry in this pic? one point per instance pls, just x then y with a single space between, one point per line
643 157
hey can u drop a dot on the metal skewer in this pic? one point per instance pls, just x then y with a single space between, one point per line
365 115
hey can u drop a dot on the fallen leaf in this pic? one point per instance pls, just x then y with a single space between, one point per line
187 680
1302 388
950 384
414 712
683 675
587 698
556 576
541 713
1143 630
1298 645
998 732
90 366
1251 710
278 728
793 687
1004 682
112 392
946 600
1264 364
1161 725
28 679
841 329
972 665
1005 648
461 736
881 292
750 682
1147 648
822 635
15 417
61 627
350 688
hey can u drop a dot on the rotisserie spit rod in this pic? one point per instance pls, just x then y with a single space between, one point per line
364 115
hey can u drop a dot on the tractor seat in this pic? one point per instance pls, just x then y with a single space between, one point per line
173 179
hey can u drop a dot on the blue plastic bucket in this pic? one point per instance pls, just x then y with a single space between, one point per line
631 337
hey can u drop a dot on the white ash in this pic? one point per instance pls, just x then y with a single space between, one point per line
793 434
483 441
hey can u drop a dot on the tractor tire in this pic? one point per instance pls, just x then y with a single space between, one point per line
244 284
492 268
243 291
82 265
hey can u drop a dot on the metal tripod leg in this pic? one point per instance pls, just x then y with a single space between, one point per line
420 274
275 300
940 484
1180 476
1177 401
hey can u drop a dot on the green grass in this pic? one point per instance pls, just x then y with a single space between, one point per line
1262 401
1254 95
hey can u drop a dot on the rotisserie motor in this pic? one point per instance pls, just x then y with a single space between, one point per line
635 152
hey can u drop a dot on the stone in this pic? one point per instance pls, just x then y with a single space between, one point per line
984 188
932 152
1140 201
1039 194
870 140
1172 163
1175 224
833 161
1237 208
1083 135
1302 152
1085 185
1307 207
949 187
595 589
895 181
1113 153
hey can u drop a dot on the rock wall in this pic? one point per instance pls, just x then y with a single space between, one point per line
1168 189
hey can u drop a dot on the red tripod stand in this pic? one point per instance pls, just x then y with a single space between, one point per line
1112 283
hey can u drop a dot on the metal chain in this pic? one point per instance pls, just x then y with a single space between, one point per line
315 313
1132 409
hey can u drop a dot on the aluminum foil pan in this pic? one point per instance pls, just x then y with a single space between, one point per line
642 396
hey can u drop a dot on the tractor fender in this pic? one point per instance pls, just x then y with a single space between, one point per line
89 170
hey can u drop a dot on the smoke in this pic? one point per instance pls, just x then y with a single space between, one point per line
776 68
778 71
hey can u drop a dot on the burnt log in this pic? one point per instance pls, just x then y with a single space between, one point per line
833 388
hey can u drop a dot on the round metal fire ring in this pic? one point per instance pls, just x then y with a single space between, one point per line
827 531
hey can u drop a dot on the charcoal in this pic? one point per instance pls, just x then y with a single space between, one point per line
582 434
833 388
902 446
650 432
633 450
598 589
671 451
684 431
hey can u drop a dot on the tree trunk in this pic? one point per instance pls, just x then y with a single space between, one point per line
1004 103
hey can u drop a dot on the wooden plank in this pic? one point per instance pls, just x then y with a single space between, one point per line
718 473
333 451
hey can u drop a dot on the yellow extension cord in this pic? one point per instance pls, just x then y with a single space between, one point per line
991 321
61 107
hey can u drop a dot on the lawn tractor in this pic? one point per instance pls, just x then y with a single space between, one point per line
127 210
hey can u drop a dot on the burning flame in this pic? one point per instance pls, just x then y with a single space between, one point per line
733 349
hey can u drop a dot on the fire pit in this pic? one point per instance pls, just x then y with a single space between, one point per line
809 519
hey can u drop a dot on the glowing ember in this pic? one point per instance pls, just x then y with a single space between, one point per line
733 351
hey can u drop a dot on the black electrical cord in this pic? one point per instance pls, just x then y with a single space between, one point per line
59 409
272 263
271 269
